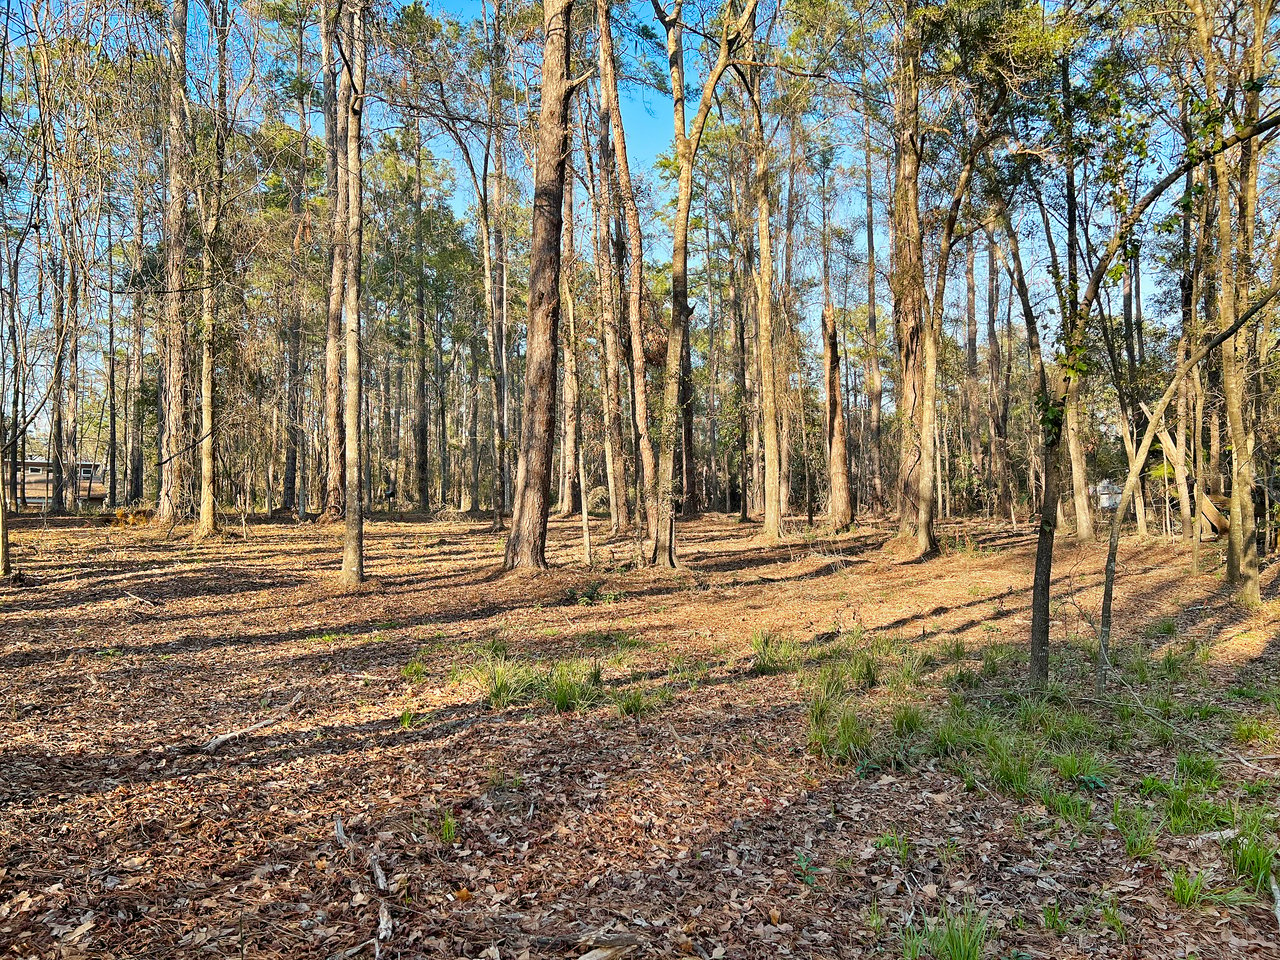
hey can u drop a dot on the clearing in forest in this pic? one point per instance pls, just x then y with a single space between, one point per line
809 750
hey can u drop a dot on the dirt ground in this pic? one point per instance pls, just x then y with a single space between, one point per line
389 811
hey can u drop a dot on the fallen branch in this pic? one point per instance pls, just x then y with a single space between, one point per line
274 718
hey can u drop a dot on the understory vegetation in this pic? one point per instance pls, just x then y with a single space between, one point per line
1149 762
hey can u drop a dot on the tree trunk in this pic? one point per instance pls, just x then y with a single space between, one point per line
570 483
607 284
57 402
337 111
1001 471
840 501
906 280
421 440
173 455
874 387
353 538
647 478
764 314
1079 476
526 544
972 405
133 386
111 367
206 522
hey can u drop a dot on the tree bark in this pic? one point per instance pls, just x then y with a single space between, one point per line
421 439
173 427
875 390
570 482
526 544
337 110
906 280
353 536
772 529
607 285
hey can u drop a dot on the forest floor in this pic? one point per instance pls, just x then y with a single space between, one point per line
813 749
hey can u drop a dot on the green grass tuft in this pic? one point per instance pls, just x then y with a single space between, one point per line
773 654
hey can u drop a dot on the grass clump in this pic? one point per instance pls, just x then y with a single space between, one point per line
1071 807
415 671
1198 771
1082 768
506 682
1250 730
1138 827
1193 890
998 659
1187 813
845 737
908 720
863 670
1252 851
572 685
633 703
688 671
1012 768
958 935
896 842
773 654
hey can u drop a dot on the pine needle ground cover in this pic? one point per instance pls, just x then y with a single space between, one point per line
812 749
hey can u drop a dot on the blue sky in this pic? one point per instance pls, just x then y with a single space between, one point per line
646 114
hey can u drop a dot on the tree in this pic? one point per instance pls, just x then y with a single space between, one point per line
173 431
526 544
355 66
688 137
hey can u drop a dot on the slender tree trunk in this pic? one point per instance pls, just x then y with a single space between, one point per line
57 503
17 490
112 478
874 387
71 443
647 479
764 314
173 455
473 423
607 284
206 521
526 545
421 440
840 479
1079 475
133 388
840 503
571 485
337 111
973 406
739 334
353 539
1001 470
688 462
